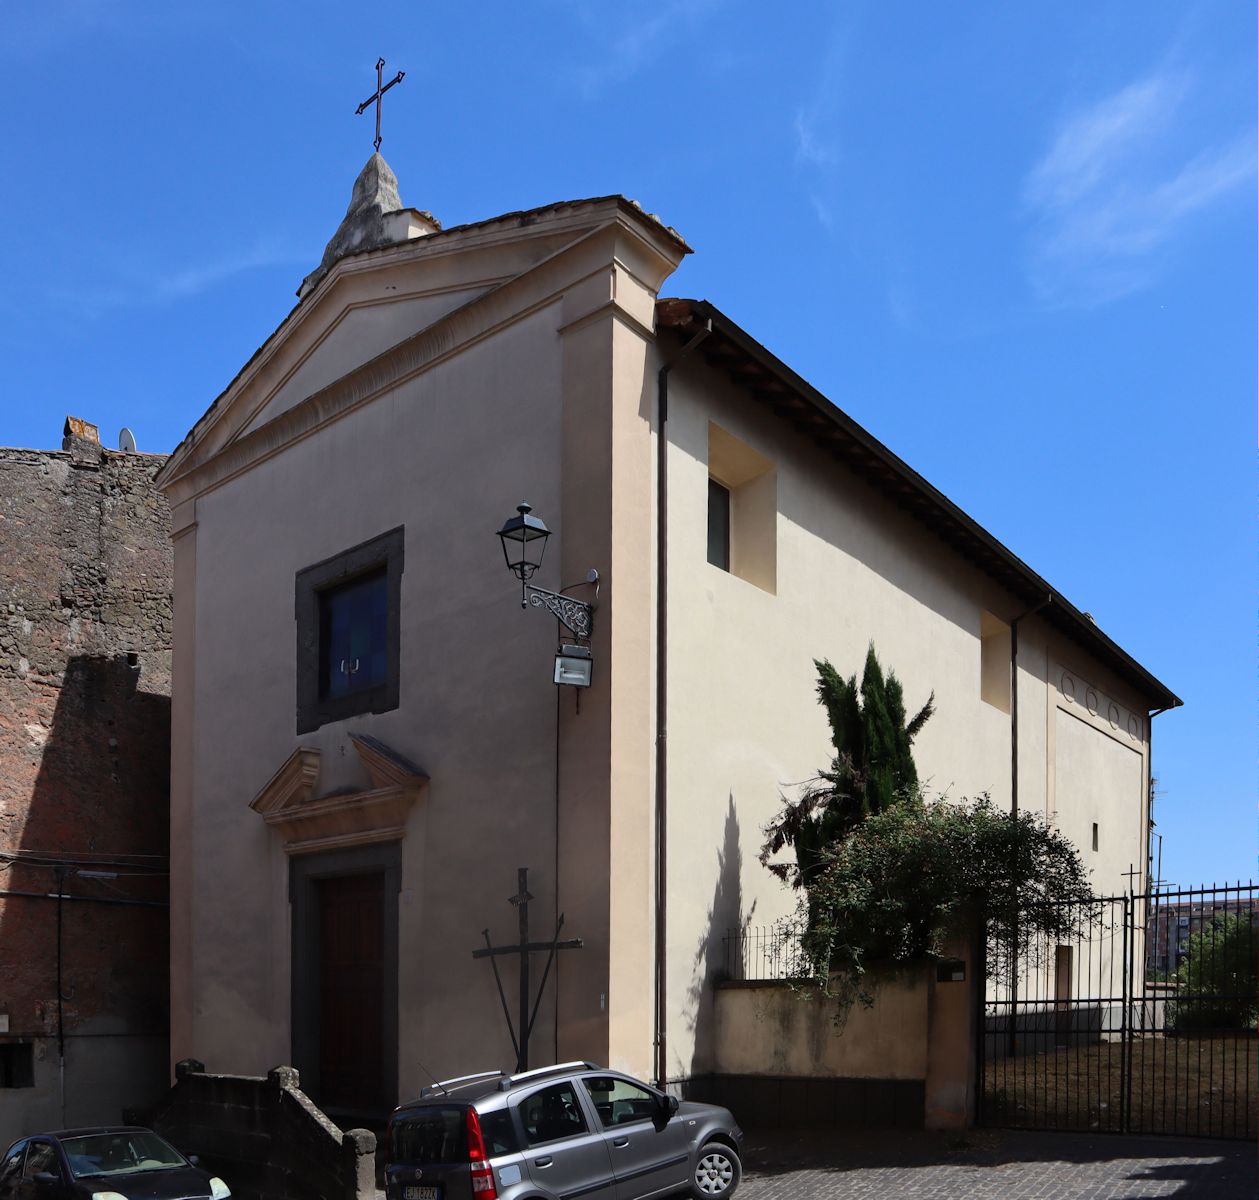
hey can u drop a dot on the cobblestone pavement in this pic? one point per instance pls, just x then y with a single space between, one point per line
993 1165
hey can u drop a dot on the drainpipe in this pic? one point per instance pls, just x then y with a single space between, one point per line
1014 701
60 875
662 684
1014 797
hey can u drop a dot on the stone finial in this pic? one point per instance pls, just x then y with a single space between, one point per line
369 221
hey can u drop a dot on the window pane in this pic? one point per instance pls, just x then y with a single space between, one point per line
551 1114
431 1135
718 525
353 635
619 1102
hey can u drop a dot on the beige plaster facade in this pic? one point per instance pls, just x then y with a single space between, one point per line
429 386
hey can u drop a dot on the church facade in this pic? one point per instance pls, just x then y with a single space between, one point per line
367 741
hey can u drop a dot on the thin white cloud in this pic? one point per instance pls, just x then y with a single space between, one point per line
638 42
1116 187
813 149
817 127
201 277
184 282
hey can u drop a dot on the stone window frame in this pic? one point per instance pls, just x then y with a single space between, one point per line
386 551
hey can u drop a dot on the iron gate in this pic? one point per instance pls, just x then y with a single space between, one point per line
1143 1021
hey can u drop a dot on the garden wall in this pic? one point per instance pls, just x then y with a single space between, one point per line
788 1056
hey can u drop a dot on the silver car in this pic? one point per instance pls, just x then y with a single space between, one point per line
558 1133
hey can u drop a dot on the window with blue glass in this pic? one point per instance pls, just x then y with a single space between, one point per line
354 635
348 623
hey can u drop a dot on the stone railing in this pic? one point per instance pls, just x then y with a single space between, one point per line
265 1137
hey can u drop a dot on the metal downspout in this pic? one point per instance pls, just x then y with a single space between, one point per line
1014 701
662 686
1014 798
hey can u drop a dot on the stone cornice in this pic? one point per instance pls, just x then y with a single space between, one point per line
378 814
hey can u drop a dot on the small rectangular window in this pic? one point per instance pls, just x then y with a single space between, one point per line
742 510
718 525
353 635
17 1065
349 632
1094 835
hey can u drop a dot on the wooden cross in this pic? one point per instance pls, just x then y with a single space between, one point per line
376 97
523 948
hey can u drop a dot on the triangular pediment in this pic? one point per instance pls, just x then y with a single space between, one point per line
292 785
388 314
344 818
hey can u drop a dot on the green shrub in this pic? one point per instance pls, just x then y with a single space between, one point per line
1217 986
917 873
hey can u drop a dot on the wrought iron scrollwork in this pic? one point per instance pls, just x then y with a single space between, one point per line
574 615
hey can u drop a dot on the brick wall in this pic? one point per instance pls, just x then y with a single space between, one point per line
85 621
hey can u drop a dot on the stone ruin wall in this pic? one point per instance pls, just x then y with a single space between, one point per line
85 661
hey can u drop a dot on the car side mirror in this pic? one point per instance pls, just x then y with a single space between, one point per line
46 1179
194 1159
669 1105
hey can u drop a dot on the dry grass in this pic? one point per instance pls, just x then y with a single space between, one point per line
1199 1086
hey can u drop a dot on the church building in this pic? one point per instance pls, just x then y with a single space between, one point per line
369 740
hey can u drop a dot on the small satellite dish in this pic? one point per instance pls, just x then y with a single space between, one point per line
127 441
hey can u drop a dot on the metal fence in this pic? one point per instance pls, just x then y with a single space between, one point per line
1088 1031
765 952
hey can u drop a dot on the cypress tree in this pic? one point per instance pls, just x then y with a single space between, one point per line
872 766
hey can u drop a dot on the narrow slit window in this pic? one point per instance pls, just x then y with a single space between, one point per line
718 525
1094 835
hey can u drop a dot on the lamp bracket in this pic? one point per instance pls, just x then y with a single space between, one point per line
574 615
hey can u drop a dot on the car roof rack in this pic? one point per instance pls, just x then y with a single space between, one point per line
511 1080
441 1085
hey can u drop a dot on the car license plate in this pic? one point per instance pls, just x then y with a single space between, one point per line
415 1192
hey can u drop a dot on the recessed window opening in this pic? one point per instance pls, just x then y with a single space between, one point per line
354 635
349 632
17 1065
718 525
742 510
994 661
1094 835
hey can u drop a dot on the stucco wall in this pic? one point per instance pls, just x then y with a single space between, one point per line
775 1029
476 712
745 727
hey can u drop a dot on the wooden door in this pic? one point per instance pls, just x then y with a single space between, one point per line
351 994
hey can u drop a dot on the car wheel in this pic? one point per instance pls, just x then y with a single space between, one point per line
717 1172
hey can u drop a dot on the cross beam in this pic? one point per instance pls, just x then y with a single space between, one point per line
378 95
522 949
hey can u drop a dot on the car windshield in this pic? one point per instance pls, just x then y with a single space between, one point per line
121 1153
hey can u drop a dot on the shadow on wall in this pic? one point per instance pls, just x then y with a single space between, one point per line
100 799
725 915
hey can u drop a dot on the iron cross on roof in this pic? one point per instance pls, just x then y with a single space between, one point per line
376 97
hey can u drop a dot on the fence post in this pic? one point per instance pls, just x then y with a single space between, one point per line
1126 1023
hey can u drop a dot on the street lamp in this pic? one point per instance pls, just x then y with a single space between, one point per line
524 543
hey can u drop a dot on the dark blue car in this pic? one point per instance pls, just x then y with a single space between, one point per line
123 1163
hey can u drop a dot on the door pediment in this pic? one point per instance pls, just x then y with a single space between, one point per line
345 818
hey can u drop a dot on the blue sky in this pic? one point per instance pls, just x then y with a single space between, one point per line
1017 242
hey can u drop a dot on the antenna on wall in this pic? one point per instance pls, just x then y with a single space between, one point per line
126 441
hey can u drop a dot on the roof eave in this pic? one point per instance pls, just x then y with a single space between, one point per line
1069 618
